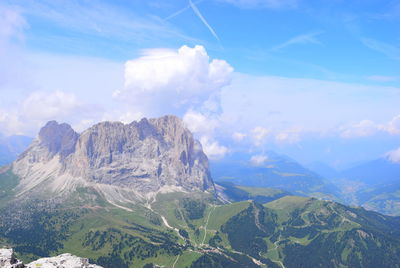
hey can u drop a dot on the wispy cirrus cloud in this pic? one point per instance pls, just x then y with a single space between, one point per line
309 38
198 13
12 24
180 11
192 6
388 50
383 78
271 4
75 22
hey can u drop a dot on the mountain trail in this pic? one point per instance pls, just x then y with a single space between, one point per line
176 260
276 249
205 226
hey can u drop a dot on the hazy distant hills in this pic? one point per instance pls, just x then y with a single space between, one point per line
379 171
11 147
380 188
324 170
276 171
374 184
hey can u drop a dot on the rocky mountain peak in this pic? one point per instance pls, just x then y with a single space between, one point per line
58 138
151 155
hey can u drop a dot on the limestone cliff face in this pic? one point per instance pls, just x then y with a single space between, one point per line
143 156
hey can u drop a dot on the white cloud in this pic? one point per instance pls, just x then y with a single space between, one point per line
394 156
40 107
125 116
173 81
393 127
367 128
259 135
212 148
364 128
200 124
258 160
273 4
289 136
237 136
317 107
204 126
45 105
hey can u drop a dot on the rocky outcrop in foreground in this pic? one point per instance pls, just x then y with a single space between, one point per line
7 260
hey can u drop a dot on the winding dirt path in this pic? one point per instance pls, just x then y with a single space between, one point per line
276 248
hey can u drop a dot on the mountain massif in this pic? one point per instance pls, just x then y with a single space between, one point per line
124 163
142 195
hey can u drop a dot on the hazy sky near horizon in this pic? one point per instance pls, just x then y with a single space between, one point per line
317 80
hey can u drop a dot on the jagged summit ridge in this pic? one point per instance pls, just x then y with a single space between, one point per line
141 157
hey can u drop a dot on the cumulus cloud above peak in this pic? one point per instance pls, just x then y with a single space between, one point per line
40 107
173 81
204 126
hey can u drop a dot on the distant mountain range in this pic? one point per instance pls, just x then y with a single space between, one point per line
376 172
276 171
11 147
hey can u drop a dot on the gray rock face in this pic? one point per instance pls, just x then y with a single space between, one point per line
62 261
58 138
145 156
7 260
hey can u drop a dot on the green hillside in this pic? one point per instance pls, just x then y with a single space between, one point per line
196 230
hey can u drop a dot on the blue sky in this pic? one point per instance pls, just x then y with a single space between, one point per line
318 80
